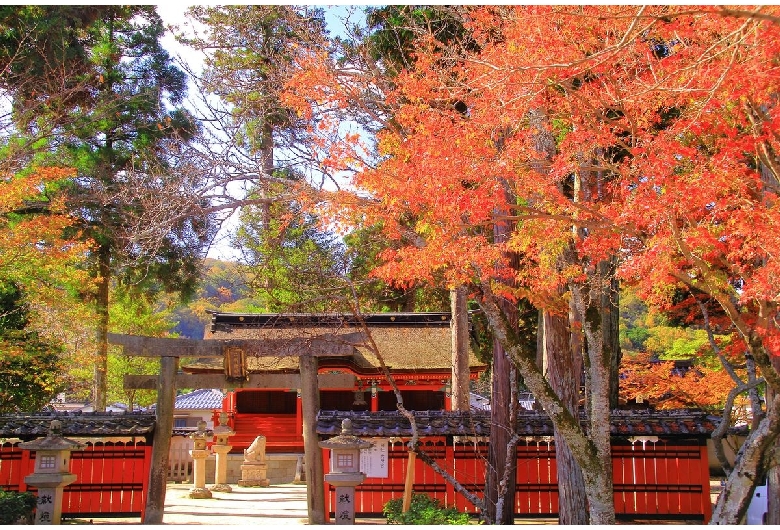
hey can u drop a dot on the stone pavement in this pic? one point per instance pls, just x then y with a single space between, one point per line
278 504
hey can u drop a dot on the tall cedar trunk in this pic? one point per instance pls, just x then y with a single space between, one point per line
594 311
564 371
610 323
267 159
501 427
598 364
460 349
501 430
100 388
596 473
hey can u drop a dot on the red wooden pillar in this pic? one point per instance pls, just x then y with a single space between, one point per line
329 495
299 415
26 466
374 397
706 501
145 477
449 493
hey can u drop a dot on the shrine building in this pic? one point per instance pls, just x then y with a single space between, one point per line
265 396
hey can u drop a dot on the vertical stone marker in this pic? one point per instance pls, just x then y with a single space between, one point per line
345 471
221 449
52 472
199 454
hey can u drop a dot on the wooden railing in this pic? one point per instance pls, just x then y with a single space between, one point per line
112 477
663 480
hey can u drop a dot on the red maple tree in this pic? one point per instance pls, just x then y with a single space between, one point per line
665 123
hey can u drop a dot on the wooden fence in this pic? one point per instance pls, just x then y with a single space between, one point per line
112 477
662 480
179 459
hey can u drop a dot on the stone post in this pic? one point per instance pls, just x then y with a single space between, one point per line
52 472
254 469
199 454
221 449
345 470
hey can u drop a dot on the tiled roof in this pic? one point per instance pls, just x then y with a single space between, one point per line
406 341
203 399
30 426
529 423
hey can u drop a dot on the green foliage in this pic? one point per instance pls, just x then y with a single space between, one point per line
642 330
135 311
634 338
223 286
292 264
16 505
394 29
249 53
13 315
30 372
363 247
30 368
422 510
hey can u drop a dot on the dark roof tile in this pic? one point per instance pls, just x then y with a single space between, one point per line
203 399
530 423
85 424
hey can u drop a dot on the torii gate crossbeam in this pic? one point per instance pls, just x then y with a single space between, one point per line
235 351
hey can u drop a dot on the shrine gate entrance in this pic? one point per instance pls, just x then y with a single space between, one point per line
234 353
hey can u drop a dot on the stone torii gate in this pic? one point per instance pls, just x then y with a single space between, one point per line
234 352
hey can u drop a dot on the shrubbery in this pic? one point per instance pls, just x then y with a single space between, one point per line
15 506
423 510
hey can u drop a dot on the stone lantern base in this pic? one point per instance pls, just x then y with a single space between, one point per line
254 474
199 493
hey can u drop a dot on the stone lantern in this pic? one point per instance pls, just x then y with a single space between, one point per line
199 454
221 449
345 471
52 472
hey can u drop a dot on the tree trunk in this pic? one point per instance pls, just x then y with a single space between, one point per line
501 431
564 371
598 370
460 349
100 387
773 475
751 462
502 428
594 462
610 323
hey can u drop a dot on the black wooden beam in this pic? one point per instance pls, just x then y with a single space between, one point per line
325 381
322 345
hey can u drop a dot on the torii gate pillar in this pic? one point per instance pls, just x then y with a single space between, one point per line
234 352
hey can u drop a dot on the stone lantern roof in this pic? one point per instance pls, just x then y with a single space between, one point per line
54 441
345 440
